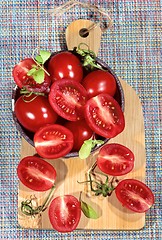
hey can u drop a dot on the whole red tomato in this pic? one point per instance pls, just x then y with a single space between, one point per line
34 111
81 132
65 65
99 81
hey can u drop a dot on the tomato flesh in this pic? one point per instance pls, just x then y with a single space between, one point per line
67 98
53 141
36 174
23 80
134 195
65 65
64 213
34 111
81 132
99 81
115 159
104 115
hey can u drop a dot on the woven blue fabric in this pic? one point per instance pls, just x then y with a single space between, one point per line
131 48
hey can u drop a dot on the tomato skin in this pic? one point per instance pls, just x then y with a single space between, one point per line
65 65
53 141
115 159
36 174
134 195
23 80
68 98
99 81
104 115
81 132
64 213
34 112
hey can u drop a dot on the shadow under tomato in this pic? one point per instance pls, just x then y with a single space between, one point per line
121 211
61 170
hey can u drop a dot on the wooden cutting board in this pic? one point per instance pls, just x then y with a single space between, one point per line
112 216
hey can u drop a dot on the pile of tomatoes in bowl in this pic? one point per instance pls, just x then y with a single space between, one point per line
59 102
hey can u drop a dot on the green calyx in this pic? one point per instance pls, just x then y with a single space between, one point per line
28 209
38 71
88 57
97 183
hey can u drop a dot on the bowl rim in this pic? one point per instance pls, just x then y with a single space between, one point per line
70 154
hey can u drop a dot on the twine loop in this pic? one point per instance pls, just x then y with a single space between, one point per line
104 25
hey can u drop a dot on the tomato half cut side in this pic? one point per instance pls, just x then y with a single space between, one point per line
53 141
104 115
23 80
134 195
115 159
67 98
64 213
36 174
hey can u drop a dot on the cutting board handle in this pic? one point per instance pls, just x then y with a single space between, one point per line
86 32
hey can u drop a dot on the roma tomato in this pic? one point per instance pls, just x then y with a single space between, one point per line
104 115
115 159
34 111
99 81
134 195
64 213
36 174
53 141
23 80
81 132
67 98
65 65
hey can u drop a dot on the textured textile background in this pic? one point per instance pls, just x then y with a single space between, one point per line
132 50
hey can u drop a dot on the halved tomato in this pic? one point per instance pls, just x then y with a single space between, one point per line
115 159
53 141
64 213
134 195
67 98
104 115
36 174
23 80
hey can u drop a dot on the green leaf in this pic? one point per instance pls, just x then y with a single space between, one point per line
88 211
39 76
85 149
39 59
44 55
31 71
97 142
87 146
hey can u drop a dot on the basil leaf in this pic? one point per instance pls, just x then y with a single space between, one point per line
31 71
99 142
88 211
39 76
44 55
39 59
85 150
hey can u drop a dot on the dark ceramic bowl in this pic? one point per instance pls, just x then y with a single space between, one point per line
28 136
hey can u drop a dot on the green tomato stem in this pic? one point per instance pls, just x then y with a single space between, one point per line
28 209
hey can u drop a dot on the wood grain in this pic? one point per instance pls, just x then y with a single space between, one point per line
111 213
69 171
